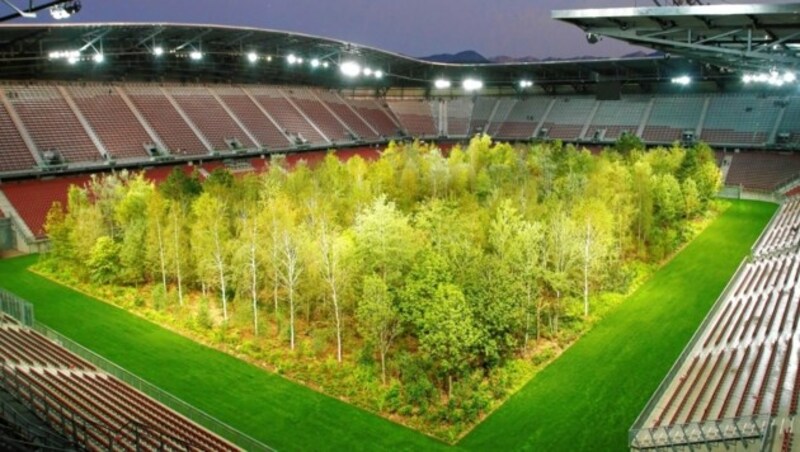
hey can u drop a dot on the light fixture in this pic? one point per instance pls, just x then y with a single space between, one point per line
299 60
379 74
350 68
325 64
291 58
64 54
63 11
683 80
315 63
99 58
196 55
72 60
158 51
367 71
471 84
525 84
789 77
252 57
269 58
441 83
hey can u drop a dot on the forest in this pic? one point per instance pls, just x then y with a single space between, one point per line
423 286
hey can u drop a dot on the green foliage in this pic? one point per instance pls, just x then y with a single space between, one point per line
455 266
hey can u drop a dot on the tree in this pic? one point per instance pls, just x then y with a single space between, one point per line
210 237
335 249
378 320
385 241
103 259
247 257
290 271
448 332
594 222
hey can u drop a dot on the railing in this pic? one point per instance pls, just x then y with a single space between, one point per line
23 311
638 425
742 429
17 308
200 417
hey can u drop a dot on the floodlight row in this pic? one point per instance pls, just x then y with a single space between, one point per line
772 78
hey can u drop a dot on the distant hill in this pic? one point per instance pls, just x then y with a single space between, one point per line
473 57
465 57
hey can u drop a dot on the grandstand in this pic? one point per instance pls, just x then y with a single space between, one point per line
740 375
90 409
739 379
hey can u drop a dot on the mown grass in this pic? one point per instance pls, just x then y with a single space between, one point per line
590 396
586 400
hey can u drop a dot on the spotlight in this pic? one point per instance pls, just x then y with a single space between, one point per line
325 64
64 55
683 80
789 77
378 74
525 84
315 63
72 60
65 10
252 57
98 58
269 58
291 58
471 84
299 60
158 51
367 71
441 84
196 55
350 68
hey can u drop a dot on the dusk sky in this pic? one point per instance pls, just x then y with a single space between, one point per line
412 27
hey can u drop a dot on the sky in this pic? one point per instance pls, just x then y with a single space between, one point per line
515 28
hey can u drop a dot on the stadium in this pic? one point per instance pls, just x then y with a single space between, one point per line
233 238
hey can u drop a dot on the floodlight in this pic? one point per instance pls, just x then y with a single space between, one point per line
98 58
64 55
65 10
525 83
315 63
196 55
158 51
471 84
72 60
299 60
378 74
350 68
789 77
747 79
683 80
441 83
252 57
325 64
291 58
269 58
367 71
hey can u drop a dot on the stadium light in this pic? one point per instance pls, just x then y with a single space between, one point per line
525 84
350 68
291 59
64 54
98 58
63 11
269 58
325 64
158 51
196 55
378 74
471 84
683 80
367 71
441 83
315 63
252 57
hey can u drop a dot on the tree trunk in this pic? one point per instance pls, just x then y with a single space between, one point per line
291 315
178 258
254 282
449 386
587 245
383 366
161 255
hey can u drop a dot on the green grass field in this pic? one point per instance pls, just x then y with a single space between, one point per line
586 400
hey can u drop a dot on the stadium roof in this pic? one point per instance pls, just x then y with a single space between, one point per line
212 53
732 37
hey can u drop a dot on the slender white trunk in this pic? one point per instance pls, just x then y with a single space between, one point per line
254 276
586 258
178 273
219 260
161 255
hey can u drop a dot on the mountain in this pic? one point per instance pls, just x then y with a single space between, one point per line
465 57
473 57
